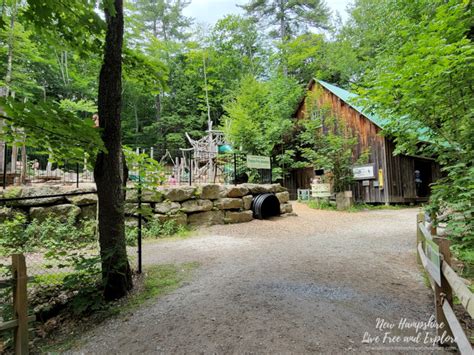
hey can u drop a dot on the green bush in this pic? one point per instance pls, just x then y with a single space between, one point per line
65 245
321 204
18 236
154 229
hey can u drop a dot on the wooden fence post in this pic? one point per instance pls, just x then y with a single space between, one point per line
20 303
420 218
442 293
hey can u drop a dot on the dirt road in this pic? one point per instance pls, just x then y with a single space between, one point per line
318 282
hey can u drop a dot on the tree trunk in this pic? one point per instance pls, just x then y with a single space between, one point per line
24 169
283 36
109 171
14 159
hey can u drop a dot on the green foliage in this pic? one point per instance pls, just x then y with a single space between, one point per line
289 17
64 245
321 204
75 22
53 234
308 56
422 79
155 229
145 173
65 136
260 114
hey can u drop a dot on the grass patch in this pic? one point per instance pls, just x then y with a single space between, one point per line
321 205
328 205
358 207
155 281
155 229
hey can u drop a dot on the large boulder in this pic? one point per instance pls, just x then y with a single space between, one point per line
196 206
147 195
206 218
82 200
88 212
39 191
6 213
131 222
167 207
209 192
228 203
62 212
9 213
132 209
237 191
179 194
278 188
178 218
283 197
286 208
247 201
256 189
238 217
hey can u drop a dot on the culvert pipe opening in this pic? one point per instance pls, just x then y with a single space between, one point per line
265 206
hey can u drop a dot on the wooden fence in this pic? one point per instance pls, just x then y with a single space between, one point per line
434 255
20 304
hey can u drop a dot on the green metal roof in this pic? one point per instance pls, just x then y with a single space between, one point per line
349 98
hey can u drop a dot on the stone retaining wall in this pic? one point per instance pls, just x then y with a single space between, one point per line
186 205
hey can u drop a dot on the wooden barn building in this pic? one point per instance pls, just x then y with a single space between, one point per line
388 178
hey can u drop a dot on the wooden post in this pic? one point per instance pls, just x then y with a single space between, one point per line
20 303
442 293
24 169
420 218
14 158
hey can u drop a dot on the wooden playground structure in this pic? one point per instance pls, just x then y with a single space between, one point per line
198 163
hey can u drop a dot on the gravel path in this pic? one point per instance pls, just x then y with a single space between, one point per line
312 283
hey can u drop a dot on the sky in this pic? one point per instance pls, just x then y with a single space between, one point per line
209 11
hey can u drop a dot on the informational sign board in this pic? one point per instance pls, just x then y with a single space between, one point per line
432 252
320 190
363 172
258 162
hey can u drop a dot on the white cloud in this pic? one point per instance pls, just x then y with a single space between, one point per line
209 11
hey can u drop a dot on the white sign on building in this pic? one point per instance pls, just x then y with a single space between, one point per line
363 172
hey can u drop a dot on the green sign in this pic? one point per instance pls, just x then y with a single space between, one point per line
258 162
432 252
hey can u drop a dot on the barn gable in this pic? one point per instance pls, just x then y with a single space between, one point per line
393 179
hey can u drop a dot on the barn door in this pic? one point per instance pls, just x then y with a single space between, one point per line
408 178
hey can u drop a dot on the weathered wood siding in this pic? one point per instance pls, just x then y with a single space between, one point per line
398 170
401 173
368 138
298 179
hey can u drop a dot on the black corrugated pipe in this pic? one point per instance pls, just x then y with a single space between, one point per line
265 206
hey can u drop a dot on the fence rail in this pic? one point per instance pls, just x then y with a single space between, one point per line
434 255
25 165
20 305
